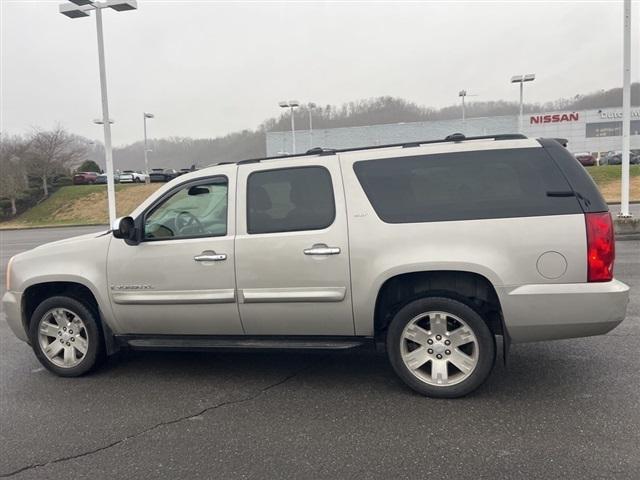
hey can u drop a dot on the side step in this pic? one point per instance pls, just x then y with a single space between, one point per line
205 342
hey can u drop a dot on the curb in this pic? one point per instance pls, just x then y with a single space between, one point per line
625 228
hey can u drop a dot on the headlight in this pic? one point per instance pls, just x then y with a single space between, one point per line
8 279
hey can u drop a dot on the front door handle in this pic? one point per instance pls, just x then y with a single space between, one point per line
210 256
321 249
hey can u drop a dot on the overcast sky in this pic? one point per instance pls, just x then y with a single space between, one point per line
207 68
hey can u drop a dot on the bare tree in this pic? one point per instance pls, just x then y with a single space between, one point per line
51 151
13 181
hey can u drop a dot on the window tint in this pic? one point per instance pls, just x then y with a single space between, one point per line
465 185
197 210
289 199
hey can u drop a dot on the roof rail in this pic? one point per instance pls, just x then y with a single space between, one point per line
454 137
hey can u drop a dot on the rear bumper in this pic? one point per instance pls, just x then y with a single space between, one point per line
555 311
12 306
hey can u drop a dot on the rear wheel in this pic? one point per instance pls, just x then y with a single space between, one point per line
66 336
440 347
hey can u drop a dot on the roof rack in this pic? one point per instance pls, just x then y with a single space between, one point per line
454 137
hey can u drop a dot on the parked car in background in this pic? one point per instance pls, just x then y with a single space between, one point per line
163 175
604 159
430 252
131 176
85 178
586 159
102 178
182 171
617 159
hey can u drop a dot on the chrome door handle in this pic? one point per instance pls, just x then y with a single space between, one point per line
210 256
321 249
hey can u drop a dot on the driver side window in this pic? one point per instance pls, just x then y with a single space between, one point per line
196 210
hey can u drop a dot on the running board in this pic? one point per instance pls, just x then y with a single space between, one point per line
203 342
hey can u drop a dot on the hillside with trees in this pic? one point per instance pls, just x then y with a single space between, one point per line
178 152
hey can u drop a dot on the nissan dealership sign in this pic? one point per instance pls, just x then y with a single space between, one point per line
554 118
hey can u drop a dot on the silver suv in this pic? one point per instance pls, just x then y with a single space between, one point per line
429 250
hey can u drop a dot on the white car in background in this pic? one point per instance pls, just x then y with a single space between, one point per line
131 176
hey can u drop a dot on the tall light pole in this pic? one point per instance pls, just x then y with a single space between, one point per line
311 106
291 104
626 112
146 115
79 9
529 77
462 94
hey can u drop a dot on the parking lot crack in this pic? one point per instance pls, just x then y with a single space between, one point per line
165 423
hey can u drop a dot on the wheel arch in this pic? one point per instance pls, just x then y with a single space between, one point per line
38 291
471 288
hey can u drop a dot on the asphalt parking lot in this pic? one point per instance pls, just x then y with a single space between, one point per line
567 409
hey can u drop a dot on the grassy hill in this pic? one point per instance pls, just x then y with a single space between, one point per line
82 205
87 204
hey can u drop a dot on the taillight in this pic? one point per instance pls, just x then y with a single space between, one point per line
601 247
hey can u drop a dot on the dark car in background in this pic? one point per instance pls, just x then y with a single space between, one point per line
85 178
586 159
617 159
163 175
102 178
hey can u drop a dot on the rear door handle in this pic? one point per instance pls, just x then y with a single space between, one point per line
210 256
321 249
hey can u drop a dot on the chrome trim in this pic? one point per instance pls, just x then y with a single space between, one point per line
210 256
276 295
173 297
321 249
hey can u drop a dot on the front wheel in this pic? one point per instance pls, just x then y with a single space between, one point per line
440 347
66 336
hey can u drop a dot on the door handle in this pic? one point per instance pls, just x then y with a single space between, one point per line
210 256
321 249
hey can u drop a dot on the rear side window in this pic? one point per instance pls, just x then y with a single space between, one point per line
289 200
466 185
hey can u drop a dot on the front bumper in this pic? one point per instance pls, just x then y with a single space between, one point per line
555 311
12 306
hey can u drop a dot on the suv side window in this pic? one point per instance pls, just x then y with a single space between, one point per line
466 185
289 200
196 210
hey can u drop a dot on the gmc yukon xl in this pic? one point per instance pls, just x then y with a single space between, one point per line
430 250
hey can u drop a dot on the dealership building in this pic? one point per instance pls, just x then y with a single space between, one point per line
596 131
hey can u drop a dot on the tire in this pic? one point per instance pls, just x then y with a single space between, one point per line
439 320
136 180
48 325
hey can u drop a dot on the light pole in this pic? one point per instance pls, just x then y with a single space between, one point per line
291 104
529 77
146 115
78 9
462 94
626 112
311 106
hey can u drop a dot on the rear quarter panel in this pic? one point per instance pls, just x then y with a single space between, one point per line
505 251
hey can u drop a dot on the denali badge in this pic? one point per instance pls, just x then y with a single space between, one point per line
131 287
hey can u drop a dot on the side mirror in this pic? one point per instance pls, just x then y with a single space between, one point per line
124 228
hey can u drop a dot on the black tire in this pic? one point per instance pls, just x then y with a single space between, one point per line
95 342
485 342
136 180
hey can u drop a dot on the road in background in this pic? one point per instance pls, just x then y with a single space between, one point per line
567 408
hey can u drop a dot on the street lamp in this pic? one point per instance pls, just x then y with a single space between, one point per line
146 115
529 77
291 104
462 94
311 106
78 9
626 111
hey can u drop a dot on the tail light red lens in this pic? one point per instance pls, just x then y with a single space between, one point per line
601 247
